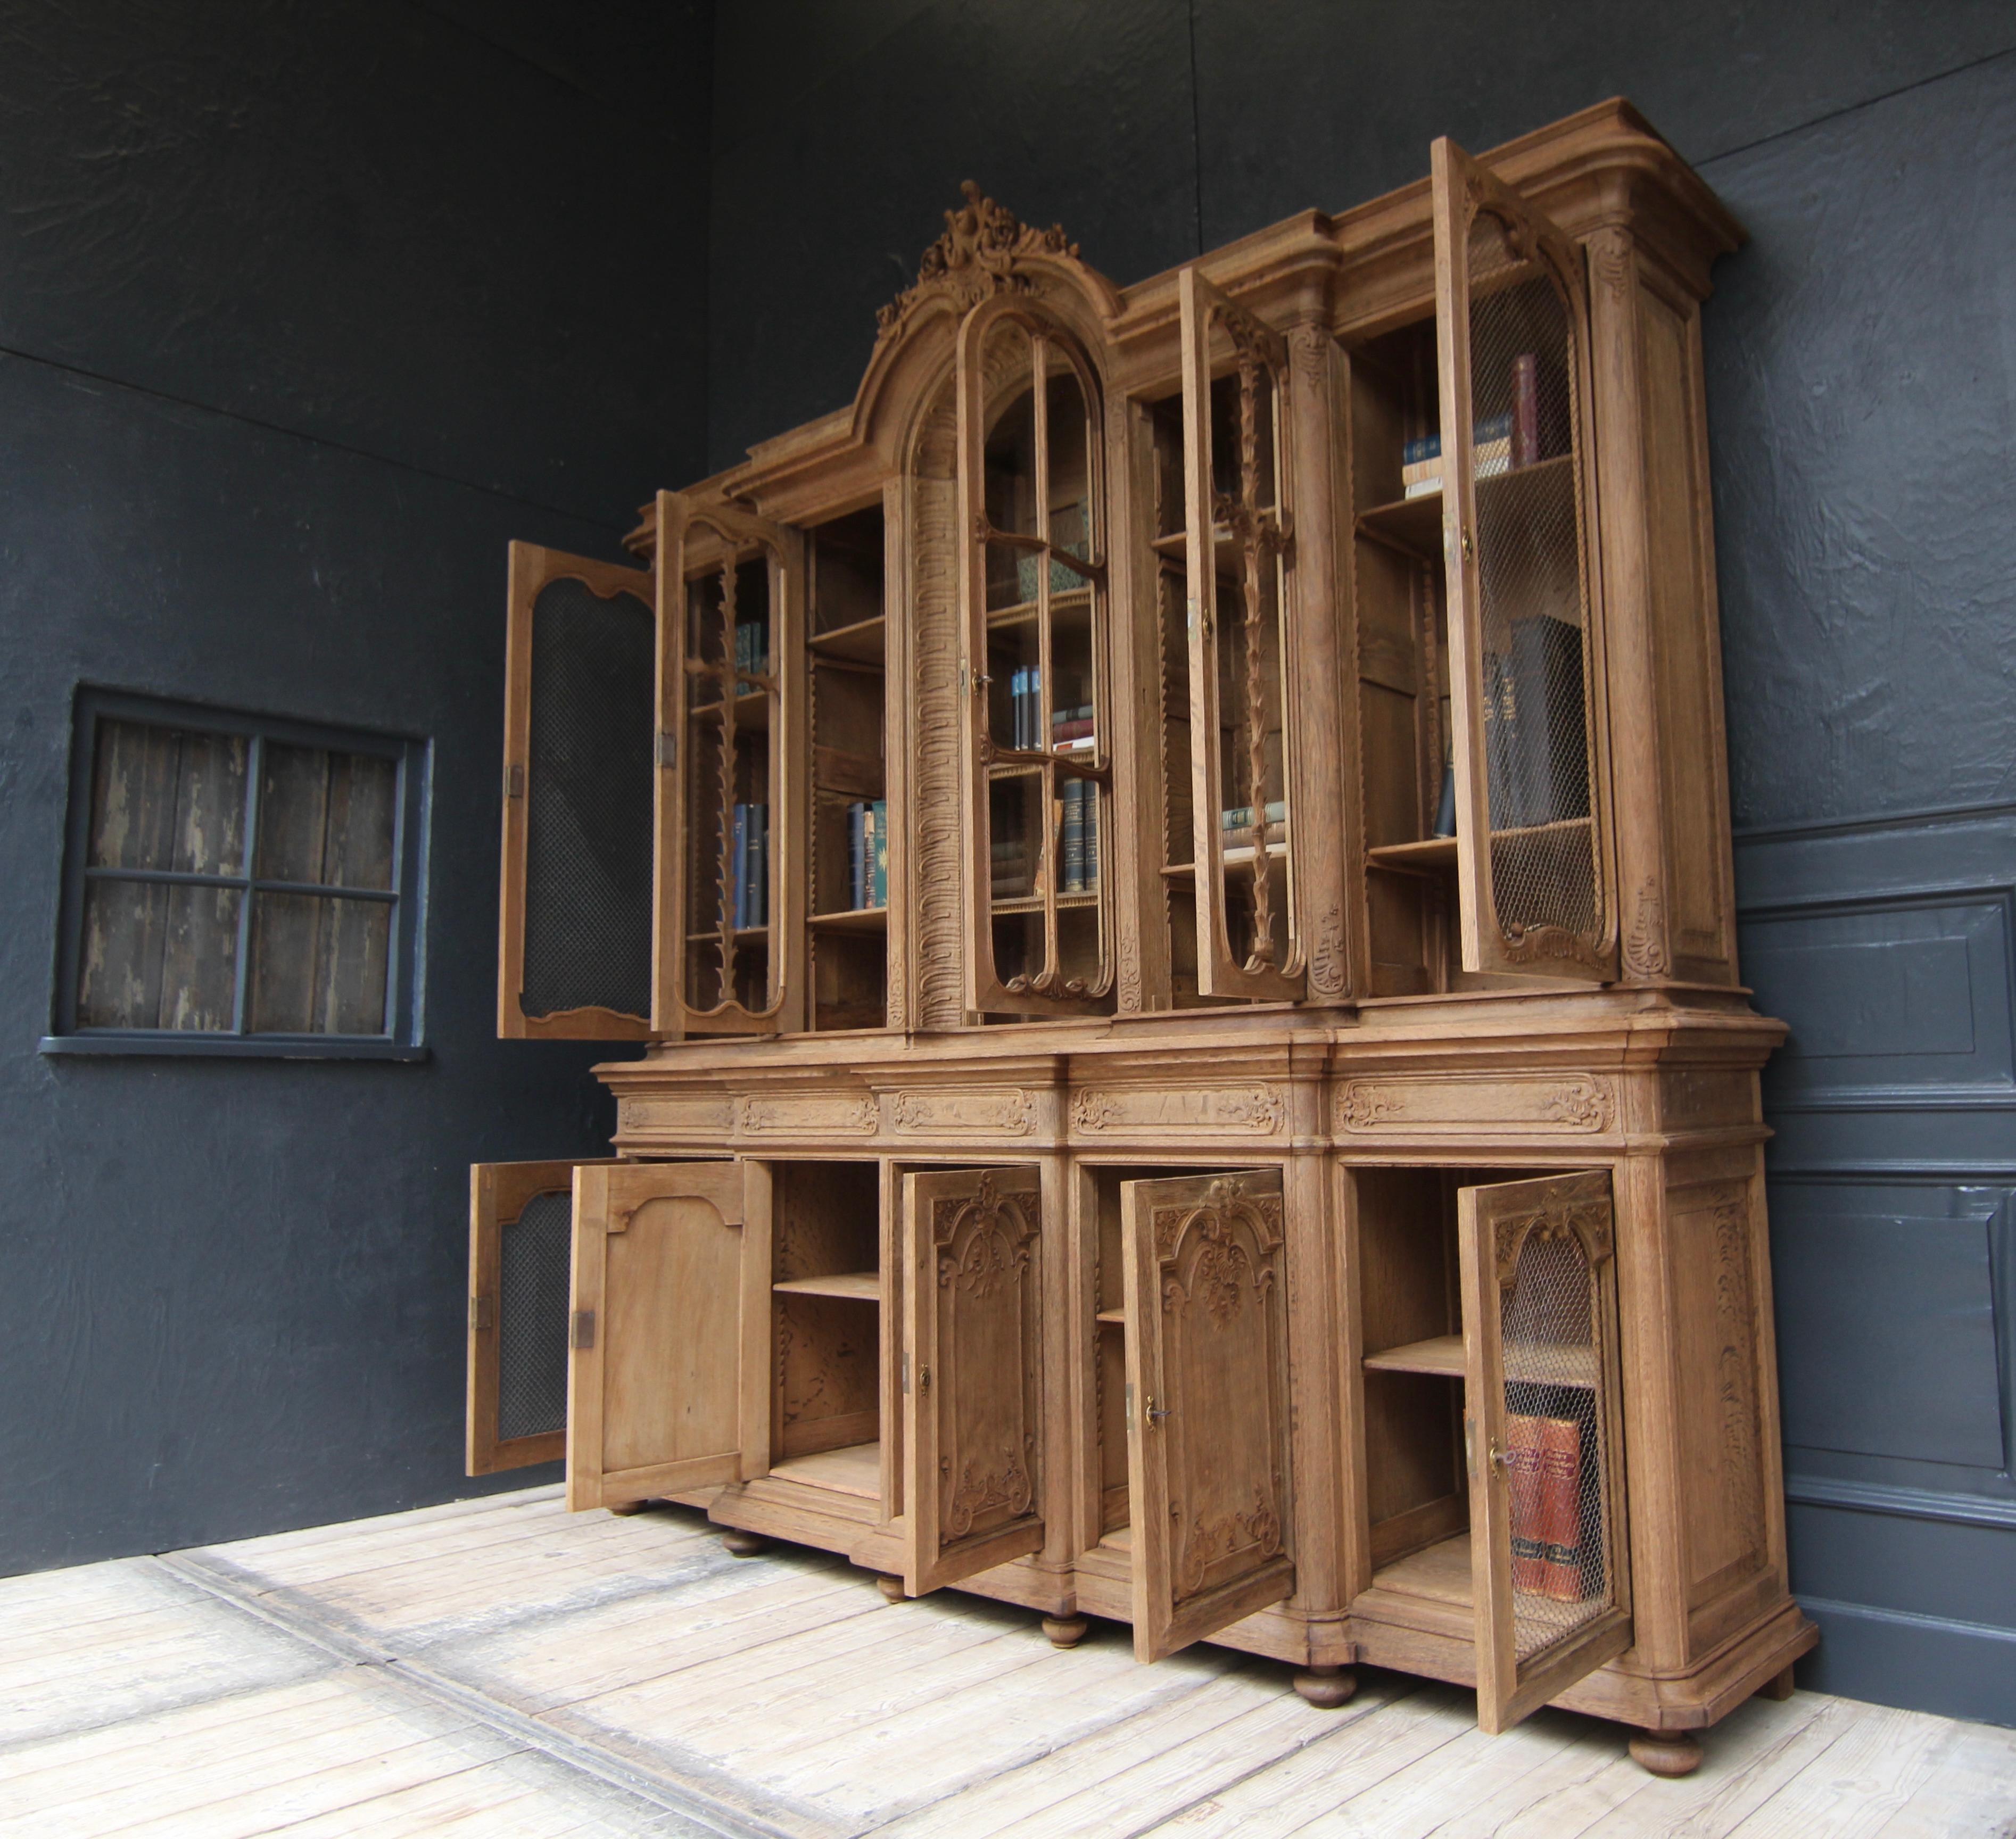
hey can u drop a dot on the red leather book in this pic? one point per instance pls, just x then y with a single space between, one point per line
1525 1471
1560 1508
1525 410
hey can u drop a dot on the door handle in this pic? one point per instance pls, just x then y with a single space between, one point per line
1154 1413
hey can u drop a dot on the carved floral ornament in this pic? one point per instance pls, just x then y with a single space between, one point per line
983 1240
982 253
1587 1223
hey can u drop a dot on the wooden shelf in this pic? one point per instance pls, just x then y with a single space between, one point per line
752 710
1225 546
1416 524
1112 1317
1237 862
1530 1362
856 1470
1063 600
741 933
863 643
1431 852
853 919
1033 903
1438 1573
859 1286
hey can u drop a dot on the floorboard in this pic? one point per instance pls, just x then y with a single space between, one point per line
499 1668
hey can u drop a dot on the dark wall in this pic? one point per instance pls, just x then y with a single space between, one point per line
307 309
1861 358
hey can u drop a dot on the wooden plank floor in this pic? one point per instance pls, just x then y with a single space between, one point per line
499 1667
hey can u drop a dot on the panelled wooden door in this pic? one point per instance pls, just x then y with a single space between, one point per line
1035 749
1241 654
1543 1430
574 948
520 1239
1535 858
972 1403
729 954
669 1383
1208 1456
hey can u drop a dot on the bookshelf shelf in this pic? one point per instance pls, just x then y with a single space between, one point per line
1033 903
1431 852
1528 1362
861 920
1111 1317
863 643
859 1286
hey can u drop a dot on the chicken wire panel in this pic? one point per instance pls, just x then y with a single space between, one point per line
1531 572
1554 1453
533 1297
590 774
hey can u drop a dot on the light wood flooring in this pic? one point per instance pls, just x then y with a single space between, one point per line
497 1667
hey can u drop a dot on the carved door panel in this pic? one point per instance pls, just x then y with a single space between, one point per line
520 1232
1236 467
730 955
1208 1463
574 945
1035 757
1543 1430
973 1359
1526 657
668 1384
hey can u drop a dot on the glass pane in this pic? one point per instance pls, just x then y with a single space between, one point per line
318 965
1558 1496
1230 457
327 818
1015 830
168 798
1534 692
157 955
1014 670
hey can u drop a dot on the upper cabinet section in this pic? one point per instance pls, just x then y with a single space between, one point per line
1328 622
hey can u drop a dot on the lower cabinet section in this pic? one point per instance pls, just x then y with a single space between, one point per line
1085 1385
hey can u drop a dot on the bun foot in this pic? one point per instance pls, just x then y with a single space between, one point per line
1666 1752
622 1510
1326 1687
1065 1631
743 1545
891 1587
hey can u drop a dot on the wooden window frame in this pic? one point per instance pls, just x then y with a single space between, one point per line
401 1037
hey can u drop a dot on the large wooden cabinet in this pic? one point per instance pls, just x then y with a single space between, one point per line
1174 861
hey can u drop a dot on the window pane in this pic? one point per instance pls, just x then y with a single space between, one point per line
158 957
318 965
326 817
168 798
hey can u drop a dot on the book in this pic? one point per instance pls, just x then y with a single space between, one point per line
1429 447
878 857
1071 844
1535 735
1525 429
1239 817
1088 824
1071 729
1525 1478
1560 1510
739 862
857 855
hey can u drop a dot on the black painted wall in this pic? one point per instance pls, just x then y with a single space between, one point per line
1862 364
305 310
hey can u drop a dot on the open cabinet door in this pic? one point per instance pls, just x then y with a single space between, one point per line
669 1386
729 939
1533 848
1241 753
574 948
973 1385
1207 1448
520 1231
1544 1435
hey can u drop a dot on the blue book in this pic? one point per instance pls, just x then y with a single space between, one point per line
1088 834
1072 880
739 859
878 869
759 868
857 860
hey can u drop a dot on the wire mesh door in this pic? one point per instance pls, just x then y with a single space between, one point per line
1542 1429
1525 645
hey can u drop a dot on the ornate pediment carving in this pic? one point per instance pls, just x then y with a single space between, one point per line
982 253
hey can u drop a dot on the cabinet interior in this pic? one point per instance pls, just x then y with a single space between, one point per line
826 1292
846 658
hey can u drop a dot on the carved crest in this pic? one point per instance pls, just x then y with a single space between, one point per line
1587 1222
980 254
983 1242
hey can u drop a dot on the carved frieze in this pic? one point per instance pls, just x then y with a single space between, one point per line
1241 1111
808 1113
1457 1104
969 1110
676 1116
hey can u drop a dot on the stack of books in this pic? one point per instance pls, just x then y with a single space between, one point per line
867 853
752 645
1079 841
1491 451
1011 869
1236 831
1543 1467
1071 729
1536 727
751 840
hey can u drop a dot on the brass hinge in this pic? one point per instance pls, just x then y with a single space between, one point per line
668 748
923 1382
582 1336
514 781
480 1317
